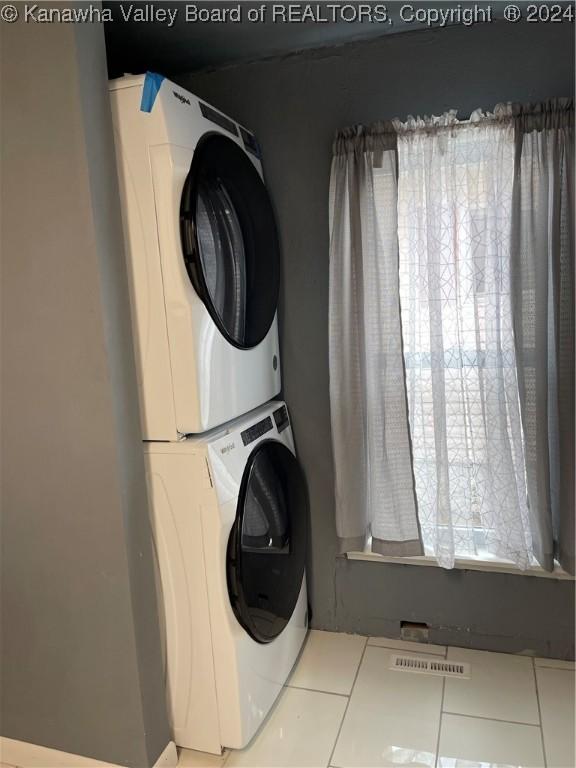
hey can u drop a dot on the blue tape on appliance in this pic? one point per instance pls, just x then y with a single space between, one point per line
152 83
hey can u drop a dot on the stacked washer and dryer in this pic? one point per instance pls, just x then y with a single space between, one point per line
228 497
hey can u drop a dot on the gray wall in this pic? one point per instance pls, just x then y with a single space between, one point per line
81 658
295 104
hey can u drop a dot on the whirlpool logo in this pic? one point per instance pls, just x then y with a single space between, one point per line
227 448
181 98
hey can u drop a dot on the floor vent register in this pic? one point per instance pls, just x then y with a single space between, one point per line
436 667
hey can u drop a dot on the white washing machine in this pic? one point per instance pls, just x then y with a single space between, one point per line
230 521
203 258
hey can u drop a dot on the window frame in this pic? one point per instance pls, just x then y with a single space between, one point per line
494 565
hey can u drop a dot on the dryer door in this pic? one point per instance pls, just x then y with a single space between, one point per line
230 241
267 544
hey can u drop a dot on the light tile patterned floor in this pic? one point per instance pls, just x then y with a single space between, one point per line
343 707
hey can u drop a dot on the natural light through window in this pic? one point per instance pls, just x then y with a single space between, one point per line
453 230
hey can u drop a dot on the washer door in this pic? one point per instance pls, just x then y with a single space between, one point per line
267 544
230 241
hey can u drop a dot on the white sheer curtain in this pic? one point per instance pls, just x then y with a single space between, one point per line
454 216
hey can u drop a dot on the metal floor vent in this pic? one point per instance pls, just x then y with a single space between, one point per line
430 666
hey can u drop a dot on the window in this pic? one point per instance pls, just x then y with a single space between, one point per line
451 337
454 210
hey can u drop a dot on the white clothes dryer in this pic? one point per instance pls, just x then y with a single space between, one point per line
230 522
203 258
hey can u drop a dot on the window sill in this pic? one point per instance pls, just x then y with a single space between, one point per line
467 564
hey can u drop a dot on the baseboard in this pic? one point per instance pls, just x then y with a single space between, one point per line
168 758
23 754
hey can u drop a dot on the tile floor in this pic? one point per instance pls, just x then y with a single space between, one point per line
344 707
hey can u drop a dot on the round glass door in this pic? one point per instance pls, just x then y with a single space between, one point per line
229 240
267 544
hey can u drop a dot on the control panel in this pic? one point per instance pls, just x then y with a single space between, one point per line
281 418
250 142
221 120
256 430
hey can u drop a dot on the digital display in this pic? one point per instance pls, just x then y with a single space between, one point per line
256 430
216 117
250 142
281 418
